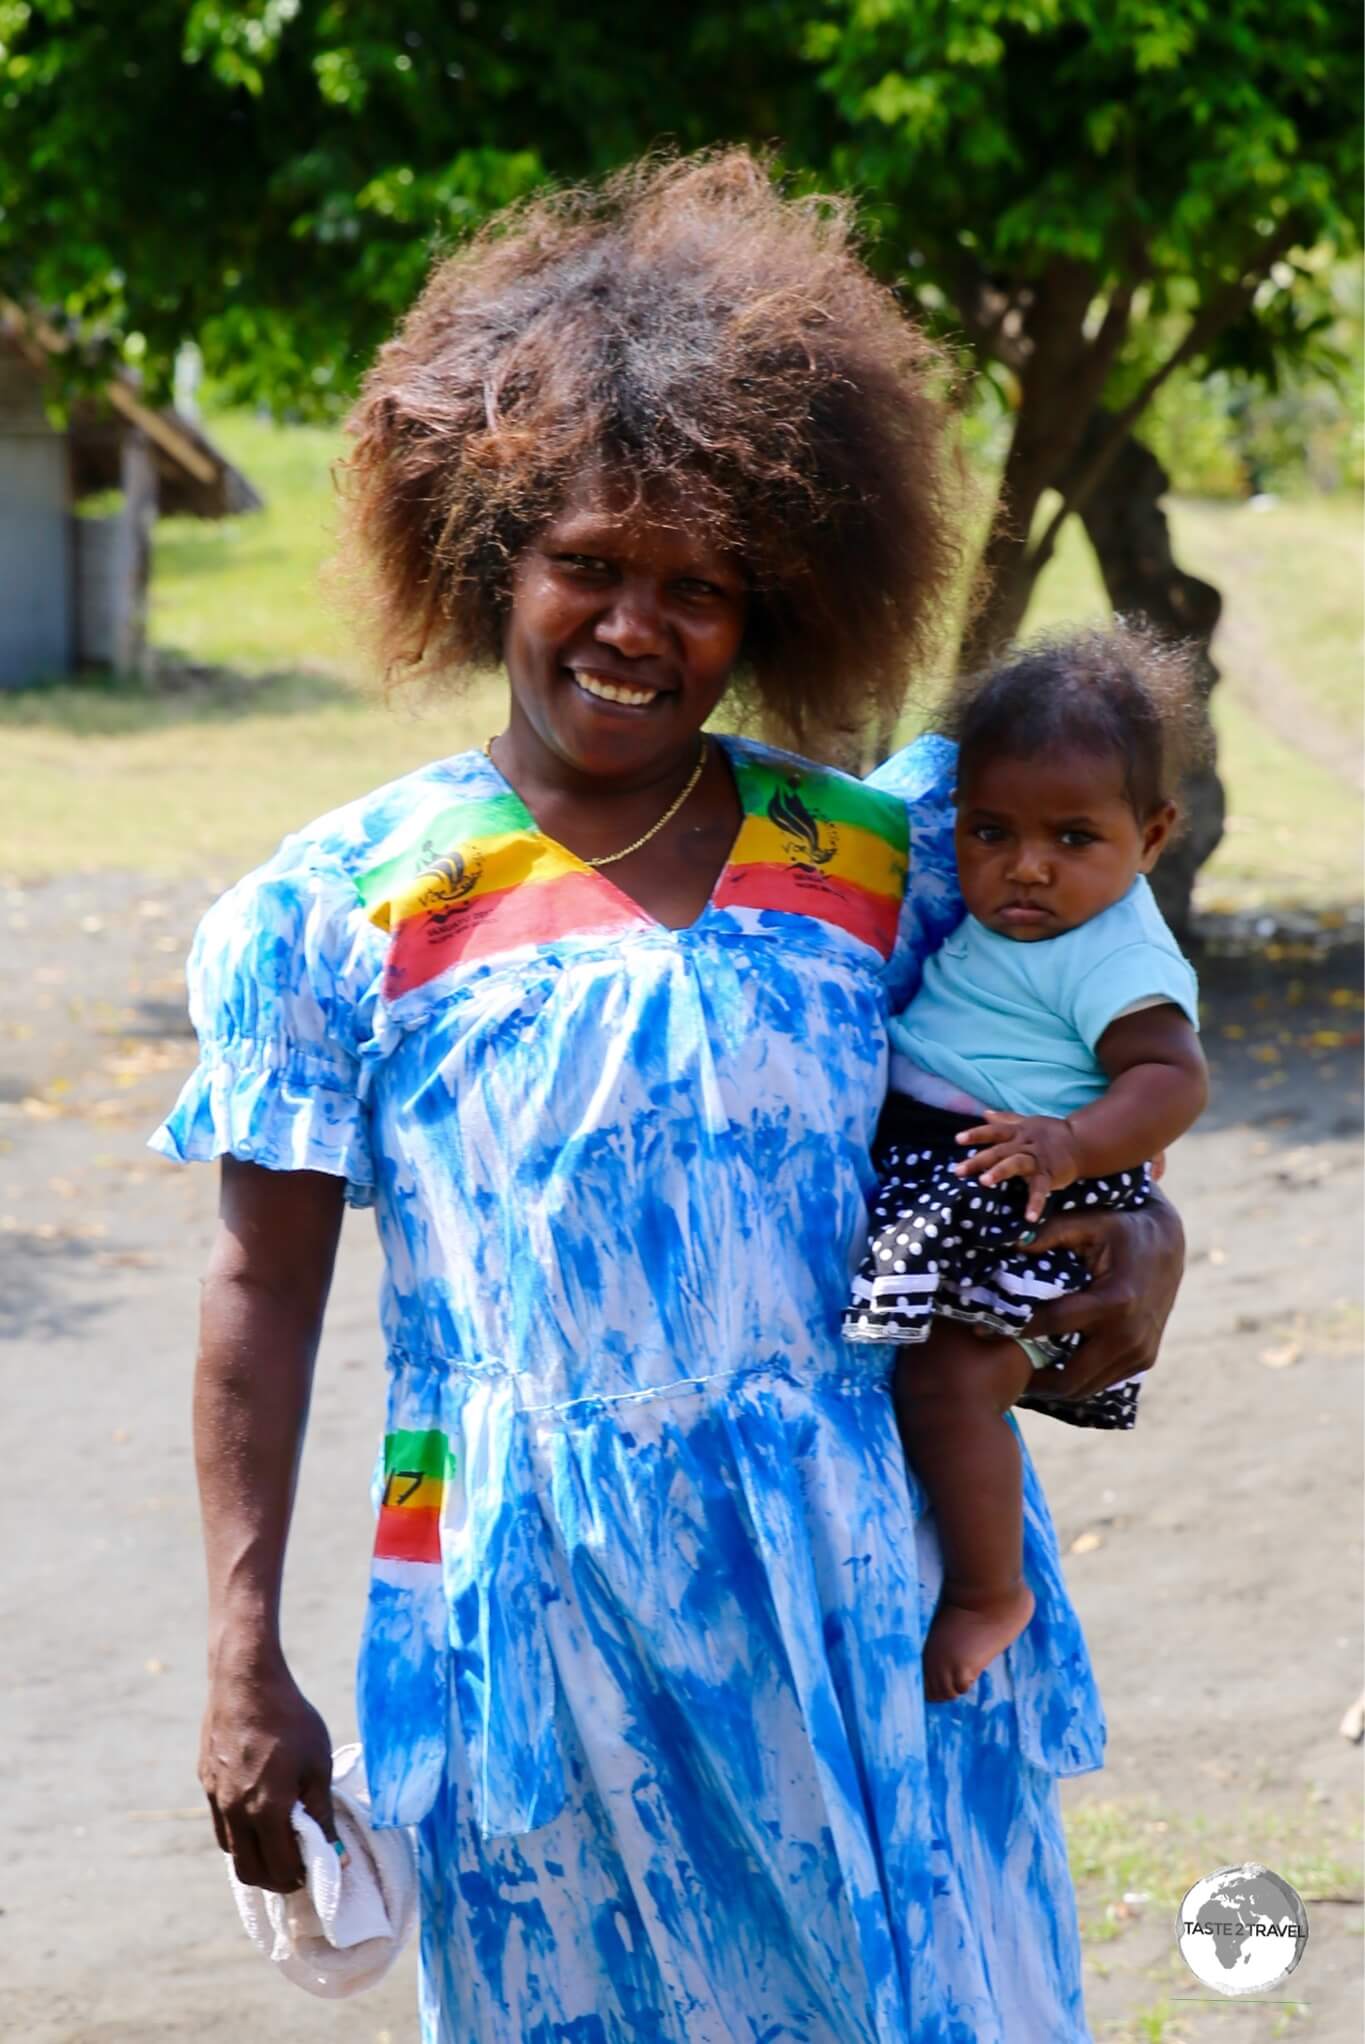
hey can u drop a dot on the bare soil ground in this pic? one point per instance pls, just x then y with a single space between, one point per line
1215 1553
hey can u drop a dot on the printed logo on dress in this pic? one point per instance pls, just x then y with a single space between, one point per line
810 841
443 884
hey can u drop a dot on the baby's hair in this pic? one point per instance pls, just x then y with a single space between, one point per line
689 331
1119 690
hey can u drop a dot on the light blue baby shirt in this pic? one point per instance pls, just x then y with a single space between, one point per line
1015 1024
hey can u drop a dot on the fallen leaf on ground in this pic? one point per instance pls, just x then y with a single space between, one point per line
1281 1358
1086 1543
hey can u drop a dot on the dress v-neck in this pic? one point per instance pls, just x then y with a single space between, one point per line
623 894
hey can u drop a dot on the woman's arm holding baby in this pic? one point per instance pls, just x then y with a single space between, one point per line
1158 1087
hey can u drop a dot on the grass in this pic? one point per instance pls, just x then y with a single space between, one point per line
247 592
1124 1848
1302 559
205 771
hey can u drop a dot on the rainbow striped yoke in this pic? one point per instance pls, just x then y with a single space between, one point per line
417 1469
478 877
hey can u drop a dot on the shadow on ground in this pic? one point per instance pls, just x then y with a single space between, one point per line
1281 1018
174 691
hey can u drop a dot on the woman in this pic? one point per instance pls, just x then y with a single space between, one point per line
595 1017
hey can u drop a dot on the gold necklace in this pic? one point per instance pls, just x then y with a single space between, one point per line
610 858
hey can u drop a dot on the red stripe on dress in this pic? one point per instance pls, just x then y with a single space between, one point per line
408 1533
871 917
536 912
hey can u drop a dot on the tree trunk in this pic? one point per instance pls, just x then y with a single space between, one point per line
1061 374
1128 530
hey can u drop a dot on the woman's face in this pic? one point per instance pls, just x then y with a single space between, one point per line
621 637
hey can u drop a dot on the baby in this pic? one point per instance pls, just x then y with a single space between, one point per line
1054 1038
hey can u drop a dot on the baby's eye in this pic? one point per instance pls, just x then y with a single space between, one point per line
1077 840
987 833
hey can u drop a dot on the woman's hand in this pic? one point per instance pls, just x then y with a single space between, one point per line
262 1749
1136 1262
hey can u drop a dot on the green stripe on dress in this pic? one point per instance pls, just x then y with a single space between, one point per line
432 836
831 797
418 1454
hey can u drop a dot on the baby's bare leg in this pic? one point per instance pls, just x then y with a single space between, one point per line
952 1394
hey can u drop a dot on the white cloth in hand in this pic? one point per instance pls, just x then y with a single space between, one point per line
342 1931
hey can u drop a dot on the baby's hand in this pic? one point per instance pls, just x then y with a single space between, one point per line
1039 1147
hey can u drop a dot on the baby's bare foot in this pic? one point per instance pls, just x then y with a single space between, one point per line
964 1639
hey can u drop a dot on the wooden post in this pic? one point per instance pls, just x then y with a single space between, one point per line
139 510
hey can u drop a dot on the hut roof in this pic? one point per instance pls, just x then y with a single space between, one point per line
193 475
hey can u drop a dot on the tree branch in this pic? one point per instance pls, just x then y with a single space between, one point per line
1222 309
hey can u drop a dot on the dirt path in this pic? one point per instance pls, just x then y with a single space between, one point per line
1214 1553
1269 688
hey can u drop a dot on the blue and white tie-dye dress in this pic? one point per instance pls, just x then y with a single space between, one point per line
642 1657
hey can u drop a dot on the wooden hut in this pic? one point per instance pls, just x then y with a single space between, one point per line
73 584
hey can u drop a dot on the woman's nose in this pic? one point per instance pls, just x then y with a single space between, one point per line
633 623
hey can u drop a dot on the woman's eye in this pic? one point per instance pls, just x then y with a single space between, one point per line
581 564
693 587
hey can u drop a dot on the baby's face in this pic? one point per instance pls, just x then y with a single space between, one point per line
1045 844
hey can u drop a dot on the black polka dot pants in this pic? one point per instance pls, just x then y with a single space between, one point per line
947 1247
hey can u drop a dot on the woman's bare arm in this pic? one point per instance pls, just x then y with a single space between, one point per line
263 1746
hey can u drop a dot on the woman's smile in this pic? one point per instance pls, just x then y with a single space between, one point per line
605 688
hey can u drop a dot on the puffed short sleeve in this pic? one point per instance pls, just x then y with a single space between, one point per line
923 775
282 975
1132 977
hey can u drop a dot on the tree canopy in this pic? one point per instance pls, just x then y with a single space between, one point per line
1063 180
272 178
1081 194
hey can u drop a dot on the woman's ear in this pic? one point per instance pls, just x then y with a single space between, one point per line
1156 833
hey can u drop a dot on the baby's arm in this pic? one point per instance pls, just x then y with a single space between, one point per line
1158 1087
